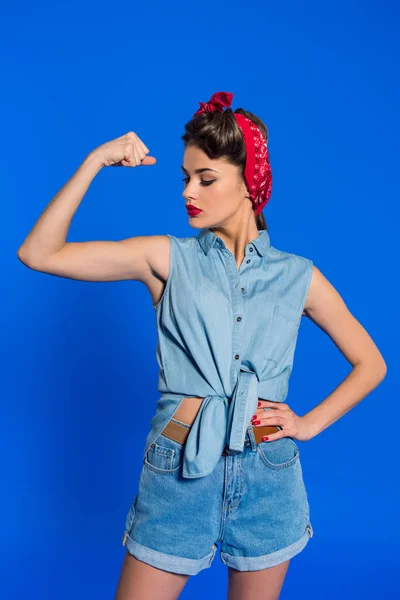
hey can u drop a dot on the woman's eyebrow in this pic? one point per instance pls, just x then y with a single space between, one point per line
200 170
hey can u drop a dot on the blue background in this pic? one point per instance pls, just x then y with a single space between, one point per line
78 359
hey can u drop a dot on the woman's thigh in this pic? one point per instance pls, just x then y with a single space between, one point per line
263 585
140 581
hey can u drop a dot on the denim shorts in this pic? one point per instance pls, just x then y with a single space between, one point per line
254 505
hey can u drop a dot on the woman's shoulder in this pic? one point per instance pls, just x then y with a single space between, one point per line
183 243
281 256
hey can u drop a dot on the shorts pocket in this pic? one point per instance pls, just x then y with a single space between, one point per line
279 454
164 455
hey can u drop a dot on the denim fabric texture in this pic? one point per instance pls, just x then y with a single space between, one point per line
225 334
254 505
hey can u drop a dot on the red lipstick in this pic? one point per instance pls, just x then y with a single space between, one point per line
192 210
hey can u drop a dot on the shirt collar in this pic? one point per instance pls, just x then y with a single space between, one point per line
207 239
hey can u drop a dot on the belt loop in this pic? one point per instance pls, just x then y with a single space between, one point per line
252 438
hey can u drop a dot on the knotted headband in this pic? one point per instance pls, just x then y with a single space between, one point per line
257 172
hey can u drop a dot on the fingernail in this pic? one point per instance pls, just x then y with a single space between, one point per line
257 422
265 439
259 404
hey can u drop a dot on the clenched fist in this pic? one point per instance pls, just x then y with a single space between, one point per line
125 151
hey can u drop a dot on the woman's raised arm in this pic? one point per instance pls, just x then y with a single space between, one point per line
45 248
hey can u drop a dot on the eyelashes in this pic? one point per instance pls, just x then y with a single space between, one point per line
203 182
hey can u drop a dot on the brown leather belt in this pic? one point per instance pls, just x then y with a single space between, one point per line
179 432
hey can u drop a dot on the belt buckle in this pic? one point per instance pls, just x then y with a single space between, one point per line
225 450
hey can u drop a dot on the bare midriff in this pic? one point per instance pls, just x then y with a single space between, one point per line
188 409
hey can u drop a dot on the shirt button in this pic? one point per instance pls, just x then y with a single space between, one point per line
238 318
235 285
236 356
251 249
242 289
248 261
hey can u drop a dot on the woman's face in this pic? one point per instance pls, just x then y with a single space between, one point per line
216 189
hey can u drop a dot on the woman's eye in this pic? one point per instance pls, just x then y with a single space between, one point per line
203 181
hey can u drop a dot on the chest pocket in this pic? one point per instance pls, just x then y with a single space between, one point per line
282 333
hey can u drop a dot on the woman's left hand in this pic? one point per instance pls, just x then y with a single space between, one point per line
280 414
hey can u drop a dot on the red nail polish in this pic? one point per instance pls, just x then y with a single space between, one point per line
265 439
254 417
259 404
257 422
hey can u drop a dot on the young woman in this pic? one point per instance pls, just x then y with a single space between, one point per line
220 463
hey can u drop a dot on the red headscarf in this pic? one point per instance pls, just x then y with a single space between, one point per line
257 173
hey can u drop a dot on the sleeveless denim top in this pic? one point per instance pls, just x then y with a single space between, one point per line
225 334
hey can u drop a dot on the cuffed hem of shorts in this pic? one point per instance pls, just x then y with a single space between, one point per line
256 563
168 562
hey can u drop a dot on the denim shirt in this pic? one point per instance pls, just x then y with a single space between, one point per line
225 334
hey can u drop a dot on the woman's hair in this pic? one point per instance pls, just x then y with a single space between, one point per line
219 136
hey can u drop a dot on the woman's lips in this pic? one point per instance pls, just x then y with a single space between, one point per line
192 210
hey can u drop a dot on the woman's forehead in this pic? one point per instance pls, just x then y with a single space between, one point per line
195 159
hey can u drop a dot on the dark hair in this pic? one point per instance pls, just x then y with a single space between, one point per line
218 135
